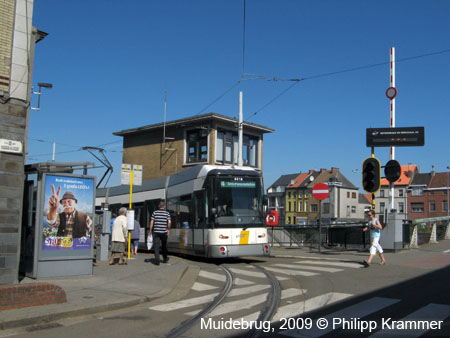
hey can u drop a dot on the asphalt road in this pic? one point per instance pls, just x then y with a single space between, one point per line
330 287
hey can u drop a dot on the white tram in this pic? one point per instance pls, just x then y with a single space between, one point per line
216 211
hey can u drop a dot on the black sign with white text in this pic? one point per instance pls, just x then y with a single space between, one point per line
395 137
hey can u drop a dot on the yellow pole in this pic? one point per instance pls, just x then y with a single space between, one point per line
131 198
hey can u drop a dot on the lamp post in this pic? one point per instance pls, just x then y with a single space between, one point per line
40 85
448 184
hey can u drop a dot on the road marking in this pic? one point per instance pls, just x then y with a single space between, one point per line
240 281
291 272
298 308
358 310
248 303
314 268
248 273
184 303
429 313
343 264
446 251
212 275
247 290
241 304
202 287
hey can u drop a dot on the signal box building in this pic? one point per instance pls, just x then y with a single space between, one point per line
166 148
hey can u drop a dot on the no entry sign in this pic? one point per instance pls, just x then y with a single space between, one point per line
320 191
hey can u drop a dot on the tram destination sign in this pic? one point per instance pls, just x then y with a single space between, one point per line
238 184
395 137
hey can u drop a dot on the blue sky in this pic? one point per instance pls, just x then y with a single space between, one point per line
110 61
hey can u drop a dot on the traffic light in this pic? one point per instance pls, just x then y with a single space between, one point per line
392 170
371 178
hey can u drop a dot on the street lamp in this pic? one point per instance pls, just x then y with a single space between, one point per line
45 85
448 184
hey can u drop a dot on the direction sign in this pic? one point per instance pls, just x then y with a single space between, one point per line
320 191
395 137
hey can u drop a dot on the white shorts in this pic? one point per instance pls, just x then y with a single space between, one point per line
375 246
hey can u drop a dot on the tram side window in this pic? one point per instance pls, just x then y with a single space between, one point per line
172 207
187 211
199 201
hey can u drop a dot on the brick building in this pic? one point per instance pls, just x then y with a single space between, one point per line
17 41
164 149
428 195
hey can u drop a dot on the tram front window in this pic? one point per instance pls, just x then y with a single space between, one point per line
237 202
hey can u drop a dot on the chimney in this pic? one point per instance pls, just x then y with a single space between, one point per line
334 170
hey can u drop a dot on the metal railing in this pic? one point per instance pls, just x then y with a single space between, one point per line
343 236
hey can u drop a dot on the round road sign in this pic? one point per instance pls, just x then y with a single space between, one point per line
320 191
391 93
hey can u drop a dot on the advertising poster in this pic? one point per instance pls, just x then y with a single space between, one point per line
68 213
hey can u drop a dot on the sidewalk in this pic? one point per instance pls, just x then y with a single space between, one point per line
115 287
109 288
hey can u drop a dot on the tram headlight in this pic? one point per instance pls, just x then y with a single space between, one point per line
262 236
223 236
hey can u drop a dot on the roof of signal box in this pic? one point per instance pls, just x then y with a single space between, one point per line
194 120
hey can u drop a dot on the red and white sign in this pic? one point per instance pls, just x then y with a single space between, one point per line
272 218
320 191
391 93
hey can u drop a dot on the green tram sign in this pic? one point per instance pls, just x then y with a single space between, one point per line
395 137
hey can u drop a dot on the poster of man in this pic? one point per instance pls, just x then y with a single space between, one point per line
68 211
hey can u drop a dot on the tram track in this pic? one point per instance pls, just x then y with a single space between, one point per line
268 311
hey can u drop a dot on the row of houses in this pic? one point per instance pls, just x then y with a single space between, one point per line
291 195
416 196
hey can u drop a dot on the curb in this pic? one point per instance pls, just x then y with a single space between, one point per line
50 317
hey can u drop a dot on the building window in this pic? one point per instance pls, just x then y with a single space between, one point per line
444 205
353 209
348 211
348 194
300 206
382 206
353 194
197 145
431 192
381 193
432 206
417 191
417 207
401 207
400 192
227 150
445 193
314 208
306 206
326 208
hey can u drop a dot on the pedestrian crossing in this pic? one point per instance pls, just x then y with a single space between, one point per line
251 290
352 319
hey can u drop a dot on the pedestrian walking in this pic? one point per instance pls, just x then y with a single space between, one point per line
160 224
119 235
375 228
135 234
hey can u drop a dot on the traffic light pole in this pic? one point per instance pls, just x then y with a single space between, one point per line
373 194
392 118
